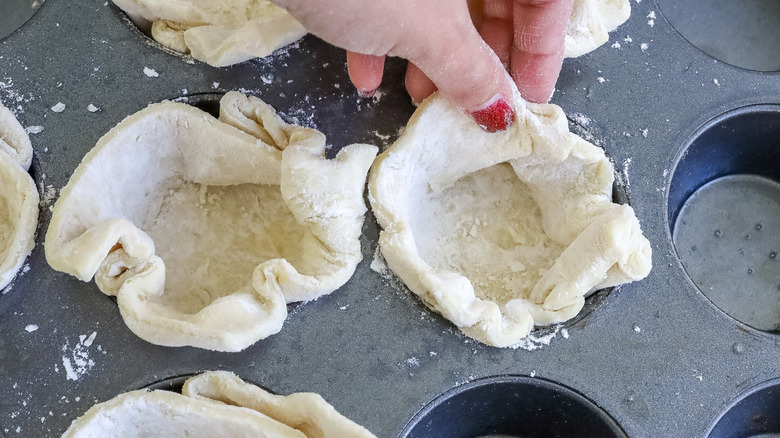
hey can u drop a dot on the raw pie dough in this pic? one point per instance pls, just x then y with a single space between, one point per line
590 24
205 228
18 197
232 31
215 404
219 33
499 232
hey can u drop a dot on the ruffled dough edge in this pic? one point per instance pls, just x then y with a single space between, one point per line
221 394
540 134
20 193
121 257
215 45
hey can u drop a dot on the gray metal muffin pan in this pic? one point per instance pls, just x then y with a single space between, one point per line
657 356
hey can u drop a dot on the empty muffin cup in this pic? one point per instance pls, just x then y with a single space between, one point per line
743 34
752 415
512 406
724 213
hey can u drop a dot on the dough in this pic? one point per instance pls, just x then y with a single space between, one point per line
499 232
590 24
205 228
18 197
215 404
219 33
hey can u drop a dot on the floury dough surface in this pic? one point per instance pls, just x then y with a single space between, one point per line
500 232
215 404
486 216
18 197
218 33
205 228
192 219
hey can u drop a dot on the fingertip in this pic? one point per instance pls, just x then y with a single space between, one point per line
365 72
418 85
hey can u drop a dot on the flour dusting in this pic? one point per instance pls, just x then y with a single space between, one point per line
76 361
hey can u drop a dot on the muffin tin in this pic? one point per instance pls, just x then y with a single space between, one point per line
653 358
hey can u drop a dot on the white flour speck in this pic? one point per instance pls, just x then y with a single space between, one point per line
76 361
151 72
601 80
92 108
565 333
60 107
31 328
637 329
37 129
616 45
644 47
716 82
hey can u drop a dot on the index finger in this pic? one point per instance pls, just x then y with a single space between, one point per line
537 47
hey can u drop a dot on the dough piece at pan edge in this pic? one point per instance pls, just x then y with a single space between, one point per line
498 232
205 228
18 197
215 403
590 24
217 33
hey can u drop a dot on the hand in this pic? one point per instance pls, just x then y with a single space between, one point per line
445 49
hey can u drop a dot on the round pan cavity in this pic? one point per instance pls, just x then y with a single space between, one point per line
753 414
512 406
724 210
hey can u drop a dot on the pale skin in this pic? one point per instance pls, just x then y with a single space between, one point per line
469 50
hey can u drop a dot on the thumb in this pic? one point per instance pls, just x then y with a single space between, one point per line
467 71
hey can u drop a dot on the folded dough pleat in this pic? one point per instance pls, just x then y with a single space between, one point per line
203 228
501 232
214 404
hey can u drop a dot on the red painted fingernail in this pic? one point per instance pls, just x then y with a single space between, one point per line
366 94
497 115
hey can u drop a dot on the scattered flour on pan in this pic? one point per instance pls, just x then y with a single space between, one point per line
92 108
31 328
151 72
37 129
534 342
76 361
58 108
9 96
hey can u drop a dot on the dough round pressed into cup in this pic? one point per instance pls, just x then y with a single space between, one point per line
228 32
18 197
205 228
500 232
215 403
219 33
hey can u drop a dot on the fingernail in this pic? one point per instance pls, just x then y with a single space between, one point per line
366 94
497 115
416 103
